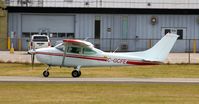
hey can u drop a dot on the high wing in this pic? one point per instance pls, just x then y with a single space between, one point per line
75 42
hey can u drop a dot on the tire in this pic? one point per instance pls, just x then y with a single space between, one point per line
76 73
80 73
46 73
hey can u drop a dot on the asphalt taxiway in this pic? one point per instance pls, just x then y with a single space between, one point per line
99 80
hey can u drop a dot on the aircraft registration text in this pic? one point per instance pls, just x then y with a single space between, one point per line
118 60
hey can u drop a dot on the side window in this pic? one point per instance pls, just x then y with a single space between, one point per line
25 34
76 50
167 31
88 51
180 33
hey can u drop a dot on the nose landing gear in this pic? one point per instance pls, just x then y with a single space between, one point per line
46 72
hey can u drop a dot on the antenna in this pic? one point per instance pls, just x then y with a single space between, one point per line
86 38
115 50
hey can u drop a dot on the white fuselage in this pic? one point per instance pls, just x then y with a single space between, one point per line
54 57
79 53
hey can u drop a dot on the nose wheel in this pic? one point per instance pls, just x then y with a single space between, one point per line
46 72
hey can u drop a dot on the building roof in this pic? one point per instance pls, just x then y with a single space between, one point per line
145 4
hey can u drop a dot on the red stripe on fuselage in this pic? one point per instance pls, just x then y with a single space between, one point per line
142 63
74 56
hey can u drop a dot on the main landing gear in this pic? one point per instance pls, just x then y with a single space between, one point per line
46 72
75 73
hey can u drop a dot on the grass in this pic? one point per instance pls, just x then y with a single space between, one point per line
157 71
61 93
57 93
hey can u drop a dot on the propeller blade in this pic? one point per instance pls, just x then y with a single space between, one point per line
33 59
32 52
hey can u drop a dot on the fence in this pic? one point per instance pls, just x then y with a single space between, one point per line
187 49
111 44
105 44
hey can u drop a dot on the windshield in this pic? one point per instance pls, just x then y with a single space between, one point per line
60 47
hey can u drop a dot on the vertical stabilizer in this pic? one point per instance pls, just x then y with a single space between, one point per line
160 50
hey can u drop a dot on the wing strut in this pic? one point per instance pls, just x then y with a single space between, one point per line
64 56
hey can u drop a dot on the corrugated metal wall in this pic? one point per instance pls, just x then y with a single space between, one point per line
139 27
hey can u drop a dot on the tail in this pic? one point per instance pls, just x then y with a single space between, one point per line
160 50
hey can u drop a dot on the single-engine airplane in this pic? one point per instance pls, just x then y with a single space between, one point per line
80 53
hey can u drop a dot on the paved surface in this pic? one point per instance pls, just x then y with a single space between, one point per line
99 80
22 56
18 56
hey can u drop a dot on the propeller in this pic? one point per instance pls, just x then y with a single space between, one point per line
32 52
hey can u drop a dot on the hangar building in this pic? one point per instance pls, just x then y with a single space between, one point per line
129 25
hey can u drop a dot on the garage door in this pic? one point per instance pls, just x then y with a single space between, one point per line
60 24
55 23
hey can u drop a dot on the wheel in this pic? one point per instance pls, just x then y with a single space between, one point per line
80 73
46 73
76 73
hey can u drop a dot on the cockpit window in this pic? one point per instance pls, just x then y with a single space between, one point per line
76 50
88 51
